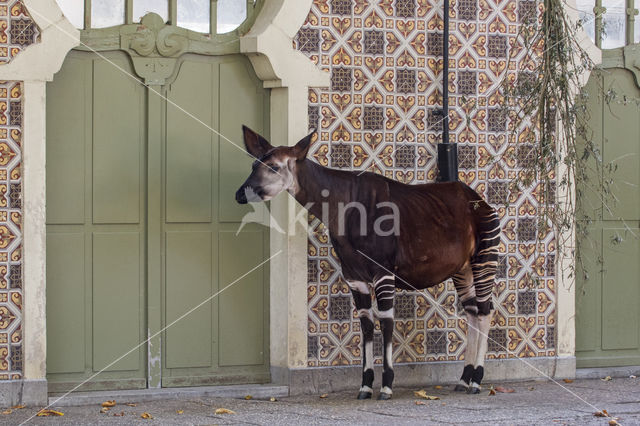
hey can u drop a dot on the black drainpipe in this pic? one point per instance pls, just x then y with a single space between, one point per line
447 152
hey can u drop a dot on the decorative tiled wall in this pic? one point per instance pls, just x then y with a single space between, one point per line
17 29
379 114
11 119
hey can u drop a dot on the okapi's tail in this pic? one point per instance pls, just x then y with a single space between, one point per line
485 261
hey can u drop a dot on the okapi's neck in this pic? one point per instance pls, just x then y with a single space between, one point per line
312 179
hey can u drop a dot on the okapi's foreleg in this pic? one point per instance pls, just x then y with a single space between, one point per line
385 292
362 300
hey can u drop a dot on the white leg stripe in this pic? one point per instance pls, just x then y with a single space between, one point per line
386 277
386 314
386 389
368 351
484 325
365 313
358 286
463 383
366 389
389 355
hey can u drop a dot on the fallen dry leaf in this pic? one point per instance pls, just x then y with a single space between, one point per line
19 407
421 403
633 376
7 411
131 404
109 404
437 387
104 410
532 388
248 397
47 413
504 390
606 379
120 414
613 422
324 395
602 413
146 416
567 380
492 392
224 411
423 394
273 399
179 411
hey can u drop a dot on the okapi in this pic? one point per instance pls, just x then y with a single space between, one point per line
443 230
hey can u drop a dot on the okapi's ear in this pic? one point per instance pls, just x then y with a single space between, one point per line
255 144
301 149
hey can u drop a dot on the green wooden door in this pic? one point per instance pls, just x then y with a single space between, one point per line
141 226
608 282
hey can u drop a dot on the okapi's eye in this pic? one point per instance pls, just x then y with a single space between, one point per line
274 168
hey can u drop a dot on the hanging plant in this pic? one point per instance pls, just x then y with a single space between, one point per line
553 145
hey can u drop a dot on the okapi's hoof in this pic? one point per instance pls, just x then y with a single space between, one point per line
384 396
364 395
461 388
474 390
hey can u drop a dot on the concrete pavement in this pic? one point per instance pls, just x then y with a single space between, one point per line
531 403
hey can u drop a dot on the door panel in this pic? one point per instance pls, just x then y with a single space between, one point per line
203 171
103 241
117 139
99 173
190 144
68 109
116 300
243 104
608 278
241 306
189 283
620 314
65 296
622 146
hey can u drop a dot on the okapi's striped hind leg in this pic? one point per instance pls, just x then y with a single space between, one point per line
385 289
463 282
362 300
484 266
483 271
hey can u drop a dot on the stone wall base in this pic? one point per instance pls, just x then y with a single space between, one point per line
27 392
330 379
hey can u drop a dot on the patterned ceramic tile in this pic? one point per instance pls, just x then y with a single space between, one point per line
10 230
380 114
17 29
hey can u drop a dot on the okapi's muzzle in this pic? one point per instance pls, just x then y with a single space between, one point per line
241 195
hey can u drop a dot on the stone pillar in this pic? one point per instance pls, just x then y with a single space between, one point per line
289 74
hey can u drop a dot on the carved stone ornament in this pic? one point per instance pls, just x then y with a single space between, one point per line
155 47
153 37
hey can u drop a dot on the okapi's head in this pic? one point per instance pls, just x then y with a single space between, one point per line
274 169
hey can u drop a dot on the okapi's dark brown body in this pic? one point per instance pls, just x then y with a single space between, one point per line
438 224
